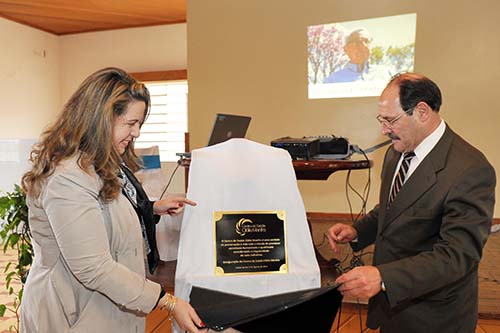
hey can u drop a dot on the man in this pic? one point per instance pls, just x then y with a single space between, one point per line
428 236
357 48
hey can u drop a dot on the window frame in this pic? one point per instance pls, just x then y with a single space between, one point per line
162 76
157 76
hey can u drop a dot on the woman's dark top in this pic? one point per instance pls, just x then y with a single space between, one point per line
144 209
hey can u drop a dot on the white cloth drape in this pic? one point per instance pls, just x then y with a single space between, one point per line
241 175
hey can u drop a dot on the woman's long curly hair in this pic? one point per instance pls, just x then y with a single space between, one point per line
85 127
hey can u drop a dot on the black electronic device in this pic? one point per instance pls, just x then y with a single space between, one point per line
332 147
299 148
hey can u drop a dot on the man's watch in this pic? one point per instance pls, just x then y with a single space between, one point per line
382 286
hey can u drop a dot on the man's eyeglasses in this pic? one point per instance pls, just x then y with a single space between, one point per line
389 123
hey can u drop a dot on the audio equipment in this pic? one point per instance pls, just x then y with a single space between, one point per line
299 149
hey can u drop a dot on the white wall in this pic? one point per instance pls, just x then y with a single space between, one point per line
29 80
156 48
39 71
29 94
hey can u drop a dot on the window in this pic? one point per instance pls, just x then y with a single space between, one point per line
167 122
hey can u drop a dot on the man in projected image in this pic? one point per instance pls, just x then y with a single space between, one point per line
433 218
357 48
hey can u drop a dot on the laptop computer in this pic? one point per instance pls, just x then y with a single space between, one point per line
226 126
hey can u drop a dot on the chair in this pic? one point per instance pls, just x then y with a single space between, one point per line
151 175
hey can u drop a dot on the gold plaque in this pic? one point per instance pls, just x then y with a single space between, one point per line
250 242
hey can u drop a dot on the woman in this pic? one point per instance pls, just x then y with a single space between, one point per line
92 224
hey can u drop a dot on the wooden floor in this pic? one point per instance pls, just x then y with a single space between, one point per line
349 322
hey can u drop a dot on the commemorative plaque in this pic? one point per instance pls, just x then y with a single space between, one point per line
250 242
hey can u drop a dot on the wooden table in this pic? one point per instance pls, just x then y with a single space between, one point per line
322 169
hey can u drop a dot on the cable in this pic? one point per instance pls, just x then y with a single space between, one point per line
169 180
323 241
362 196
356 260
356 149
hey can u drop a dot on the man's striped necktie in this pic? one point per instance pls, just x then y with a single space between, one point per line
400 177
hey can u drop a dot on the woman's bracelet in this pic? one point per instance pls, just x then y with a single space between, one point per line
169 305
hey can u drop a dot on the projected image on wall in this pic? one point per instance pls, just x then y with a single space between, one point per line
357 58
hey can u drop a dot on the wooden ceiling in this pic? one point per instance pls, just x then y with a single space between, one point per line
62 17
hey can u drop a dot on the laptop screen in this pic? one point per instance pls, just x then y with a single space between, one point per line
228 126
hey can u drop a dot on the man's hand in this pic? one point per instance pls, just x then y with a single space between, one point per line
340 233
360 282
